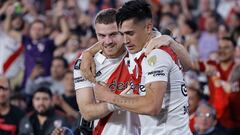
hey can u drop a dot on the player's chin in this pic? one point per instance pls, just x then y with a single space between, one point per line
110 52
132 51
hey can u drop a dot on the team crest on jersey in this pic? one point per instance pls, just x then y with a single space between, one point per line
98 73
77 64
152 60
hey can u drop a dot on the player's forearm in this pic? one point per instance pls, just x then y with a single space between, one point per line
138 104
182 54
94 111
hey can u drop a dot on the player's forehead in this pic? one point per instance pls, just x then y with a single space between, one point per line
106 29
130 25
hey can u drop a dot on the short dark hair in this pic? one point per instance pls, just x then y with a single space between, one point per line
65 63
106 16
230 39
43 90
138 10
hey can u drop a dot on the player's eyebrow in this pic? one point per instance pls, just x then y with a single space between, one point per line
128 32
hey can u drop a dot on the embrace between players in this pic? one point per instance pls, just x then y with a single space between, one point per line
138 86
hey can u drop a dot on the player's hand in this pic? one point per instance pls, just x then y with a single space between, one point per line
125 92
88 67
102 92
58 131
158 41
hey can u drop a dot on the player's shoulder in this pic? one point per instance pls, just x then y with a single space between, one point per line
159 53
98 59
158 56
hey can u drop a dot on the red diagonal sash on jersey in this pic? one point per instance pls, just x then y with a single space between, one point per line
137 71
121 74
170 52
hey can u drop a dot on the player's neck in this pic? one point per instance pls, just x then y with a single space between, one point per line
148 38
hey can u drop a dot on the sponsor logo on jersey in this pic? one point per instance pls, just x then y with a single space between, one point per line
184 90
123 85
128 63
78 79
77 64
140 88
157 73
98 73
185 109
118 85
152 60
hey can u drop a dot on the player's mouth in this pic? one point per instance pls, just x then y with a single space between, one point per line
109 46
130 46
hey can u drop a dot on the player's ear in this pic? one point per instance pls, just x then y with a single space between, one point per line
149 26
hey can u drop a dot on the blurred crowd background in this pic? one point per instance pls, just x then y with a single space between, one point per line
41 39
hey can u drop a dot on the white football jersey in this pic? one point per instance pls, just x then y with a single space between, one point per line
115 73
161 65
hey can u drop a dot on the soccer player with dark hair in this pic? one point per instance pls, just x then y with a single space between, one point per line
163 101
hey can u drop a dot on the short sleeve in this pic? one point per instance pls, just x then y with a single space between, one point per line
156 66
79 80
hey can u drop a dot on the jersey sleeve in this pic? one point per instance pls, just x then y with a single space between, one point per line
156 66
79 80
